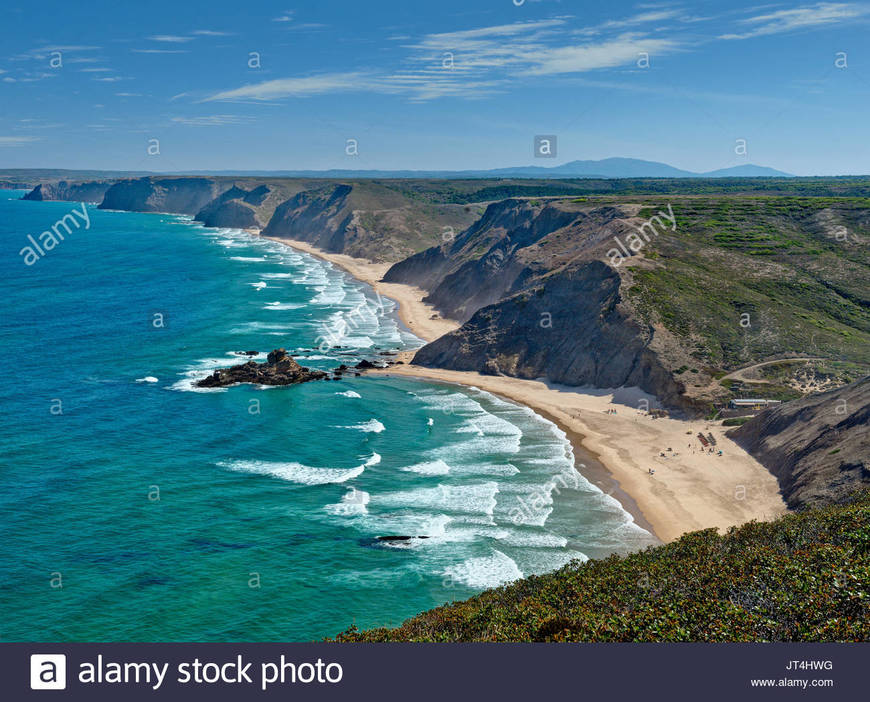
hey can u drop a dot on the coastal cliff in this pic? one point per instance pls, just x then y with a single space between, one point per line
176 195
531 283
236 208
92 191
682 307
571 329
818 447
365 219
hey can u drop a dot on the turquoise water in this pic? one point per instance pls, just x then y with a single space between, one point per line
134 507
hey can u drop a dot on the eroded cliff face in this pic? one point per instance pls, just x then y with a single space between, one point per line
235 208
531 282
92 191
176 195
329 218
818 447
570 328
514 243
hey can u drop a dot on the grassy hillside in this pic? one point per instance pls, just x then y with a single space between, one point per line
803 577
798 268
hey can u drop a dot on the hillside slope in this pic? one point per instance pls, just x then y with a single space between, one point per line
550 289
803 577
818 446
365 219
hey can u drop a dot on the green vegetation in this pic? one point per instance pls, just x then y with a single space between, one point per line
748 278
803 577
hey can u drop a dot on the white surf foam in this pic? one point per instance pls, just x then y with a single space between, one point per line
283 305
353 503
373 426
460 499
295 472
147 379
428 468
346 393
484 571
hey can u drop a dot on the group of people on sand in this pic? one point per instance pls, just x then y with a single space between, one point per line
670 450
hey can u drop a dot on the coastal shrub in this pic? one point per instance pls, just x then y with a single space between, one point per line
802 577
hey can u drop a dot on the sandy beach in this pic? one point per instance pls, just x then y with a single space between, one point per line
689 488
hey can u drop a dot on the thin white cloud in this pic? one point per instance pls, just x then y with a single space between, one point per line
159 51
212 120
620 51
12 141
286 16
642 18
211 33
170 38
823 13
295 87
96 70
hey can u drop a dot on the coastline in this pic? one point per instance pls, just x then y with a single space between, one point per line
615 444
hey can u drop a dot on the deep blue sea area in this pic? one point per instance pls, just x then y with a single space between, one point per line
135 507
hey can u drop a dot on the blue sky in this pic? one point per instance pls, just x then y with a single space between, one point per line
449 84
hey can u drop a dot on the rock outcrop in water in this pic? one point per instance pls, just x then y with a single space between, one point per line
279 369
818 447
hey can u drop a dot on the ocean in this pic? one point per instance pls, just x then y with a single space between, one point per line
136 507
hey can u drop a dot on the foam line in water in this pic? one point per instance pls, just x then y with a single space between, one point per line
438 467
295 472
373 426
485 571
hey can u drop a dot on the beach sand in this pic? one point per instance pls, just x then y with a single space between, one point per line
690 489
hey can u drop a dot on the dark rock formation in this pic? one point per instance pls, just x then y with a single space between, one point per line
570 329
92 191
235 208
279 369
157 194
818 447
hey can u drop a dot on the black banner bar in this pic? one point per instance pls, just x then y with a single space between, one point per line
422 672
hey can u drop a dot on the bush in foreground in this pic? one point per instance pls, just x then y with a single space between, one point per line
802 577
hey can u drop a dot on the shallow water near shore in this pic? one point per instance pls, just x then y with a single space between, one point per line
137 507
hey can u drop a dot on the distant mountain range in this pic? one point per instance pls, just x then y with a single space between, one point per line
605 168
